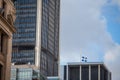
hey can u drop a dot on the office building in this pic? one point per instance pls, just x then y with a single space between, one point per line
85 71
37 39
26 73
7 18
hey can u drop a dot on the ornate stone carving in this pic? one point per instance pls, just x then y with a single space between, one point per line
11 16
1 3
10 13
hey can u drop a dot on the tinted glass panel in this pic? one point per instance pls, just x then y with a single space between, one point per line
103 74
50 36
24 74
74 73
24 39
85 73
94 72
65 72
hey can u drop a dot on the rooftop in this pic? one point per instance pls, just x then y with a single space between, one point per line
88 63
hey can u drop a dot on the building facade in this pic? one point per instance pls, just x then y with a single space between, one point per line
7 18
85 71
37 38
26 73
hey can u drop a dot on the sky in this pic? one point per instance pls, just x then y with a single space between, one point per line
91 28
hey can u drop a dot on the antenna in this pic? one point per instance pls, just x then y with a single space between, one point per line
80 54
84 59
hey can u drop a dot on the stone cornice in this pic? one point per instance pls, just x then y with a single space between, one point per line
9 2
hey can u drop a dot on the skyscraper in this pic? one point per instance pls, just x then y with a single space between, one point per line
37 39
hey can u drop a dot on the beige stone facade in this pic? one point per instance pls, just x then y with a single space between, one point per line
7 18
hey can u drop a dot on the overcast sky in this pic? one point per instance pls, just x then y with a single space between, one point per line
91 28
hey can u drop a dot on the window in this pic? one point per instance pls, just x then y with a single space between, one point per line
103 73
85 73
26 31
94 72
65 72
74 73
0 72
25 74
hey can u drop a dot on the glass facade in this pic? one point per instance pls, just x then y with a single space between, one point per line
13 74
94 72
74 73
65 73
50 37
85 73
24 39
103 74
26 74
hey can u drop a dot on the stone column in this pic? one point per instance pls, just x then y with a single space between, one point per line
98 72
80 72
8 58
67 73
1 3
89 72
4 44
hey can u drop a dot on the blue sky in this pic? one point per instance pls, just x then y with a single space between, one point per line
91 28
112 14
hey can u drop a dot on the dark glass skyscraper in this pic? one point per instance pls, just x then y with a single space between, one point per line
37 38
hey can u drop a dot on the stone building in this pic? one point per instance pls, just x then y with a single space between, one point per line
7 18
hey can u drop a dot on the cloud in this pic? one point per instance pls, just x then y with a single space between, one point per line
112 60
116 2
84 33
83 28
111 57
113 54
113 2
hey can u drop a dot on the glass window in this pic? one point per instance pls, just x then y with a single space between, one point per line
74 73
94 72
85 73
103 73
26 11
